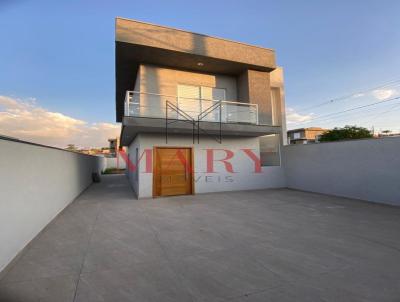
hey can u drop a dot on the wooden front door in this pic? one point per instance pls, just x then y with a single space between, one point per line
172 171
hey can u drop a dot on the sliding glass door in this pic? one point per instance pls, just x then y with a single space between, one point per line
195 99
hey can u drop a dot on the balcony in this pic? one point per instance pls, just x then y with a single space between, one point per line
152 105
150 112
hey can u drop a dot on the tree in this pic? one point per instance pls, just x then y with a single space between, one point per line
345 133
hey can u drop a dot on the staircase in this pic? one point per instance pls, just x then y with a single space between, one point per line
195 122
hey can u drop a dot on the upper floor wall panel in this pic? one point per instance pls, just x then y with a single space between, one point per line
138 43
165 81
152 43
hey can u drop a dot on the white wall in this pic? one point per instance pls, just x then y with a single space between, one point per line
114 162
133 175
364 169
36 183
244 177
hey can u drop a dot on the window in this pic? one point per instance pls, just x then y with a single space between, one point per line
188 99
189 91
296 135
212 93
195 99
209 96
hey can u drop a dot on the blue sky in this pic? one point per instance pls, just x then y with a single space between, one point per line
61 53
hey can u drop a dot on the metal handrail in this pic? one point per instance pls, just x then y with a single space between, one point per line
189 119
182 97
182 115
179 111
129 94
204 114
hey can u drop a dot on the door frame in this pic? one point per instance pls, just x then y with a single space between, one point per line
192 182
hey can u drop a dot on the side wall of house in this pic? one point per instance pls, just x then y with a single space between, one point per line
243 178
363 169
270 145
36 183
131 168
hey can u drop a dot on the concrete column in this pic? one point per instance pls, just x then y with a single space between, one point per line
254 87
277 83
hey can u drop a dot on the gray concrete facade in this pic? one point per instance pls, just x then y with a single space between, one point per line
164 81
244 176
267 245
142 125
156 64
139 43
365 169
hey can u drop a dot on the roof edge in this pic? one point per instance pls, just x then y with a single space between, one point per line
195 33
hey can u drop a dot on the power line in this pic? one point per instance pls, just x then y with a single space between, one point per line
348 96
368 112
332 116
352 109
340 118
383 113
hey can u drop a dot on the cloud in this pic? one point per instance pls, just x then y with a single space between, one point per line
382 94
25 120
358 95
292 117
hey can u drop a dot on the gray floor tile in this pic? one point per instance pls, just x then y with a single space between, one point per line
41 263
141 283
262 245
56 289
224 274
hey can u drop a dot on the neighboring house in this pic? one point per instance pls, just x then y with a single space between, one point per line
114 160
386 134
305 135
203 98
113 145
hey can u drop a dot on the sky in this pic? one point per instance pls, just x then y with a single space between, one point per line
57 72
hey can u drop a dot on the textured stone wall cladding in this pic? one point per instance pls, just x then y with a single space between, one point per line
260 94
364 169
178 40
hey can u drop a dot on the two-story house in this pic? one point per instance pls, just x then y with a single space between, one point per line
305 135
204 109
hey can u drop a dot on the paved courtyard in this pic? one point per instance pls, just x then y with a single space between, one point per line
266 245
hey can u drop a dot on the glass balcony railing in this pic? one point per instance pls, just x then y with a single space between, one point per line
153 105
